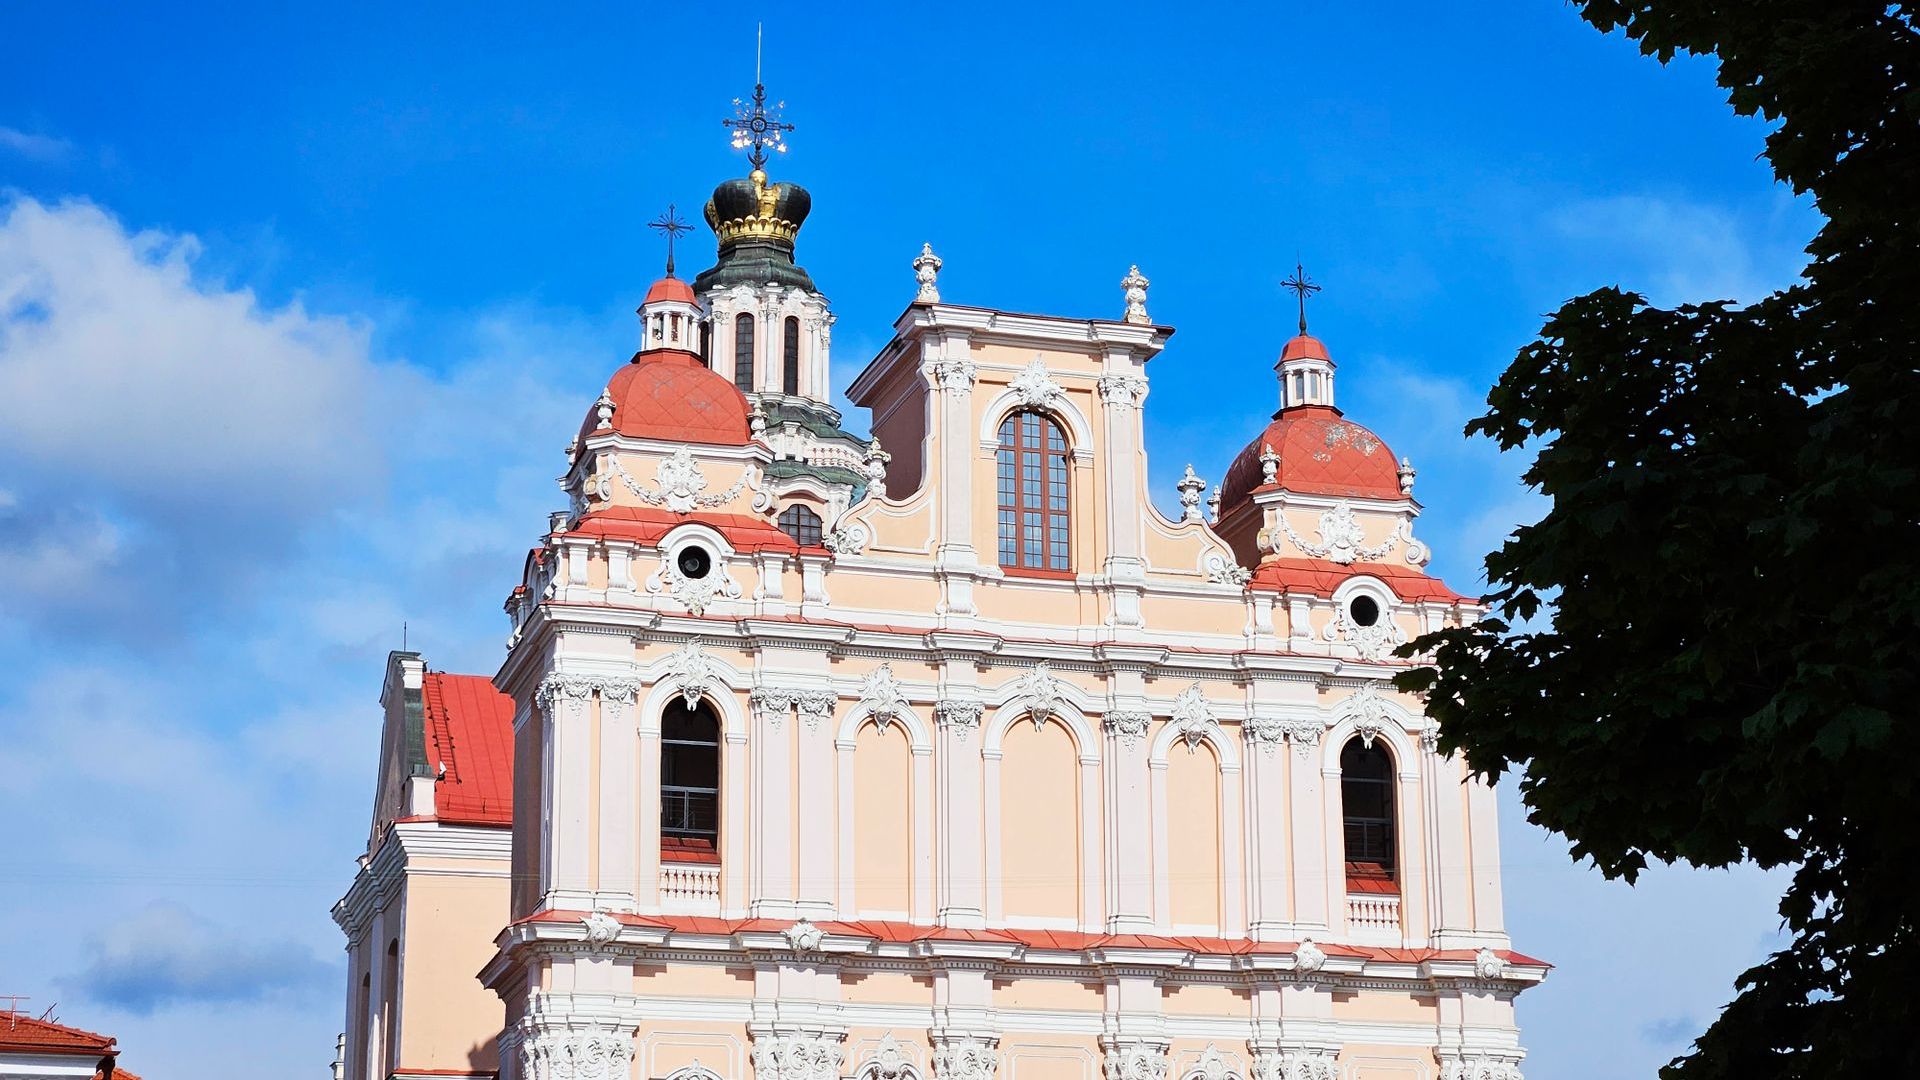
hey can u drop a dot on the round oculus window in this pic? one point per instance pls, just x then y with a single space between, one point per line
694 562
1363 610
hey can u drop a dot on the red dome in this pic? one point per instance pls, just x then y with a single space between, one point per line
1320 454
670 395
669 288
1304 348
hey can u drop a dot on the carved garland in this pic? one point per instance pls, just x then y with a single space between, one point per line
1341 537
682 484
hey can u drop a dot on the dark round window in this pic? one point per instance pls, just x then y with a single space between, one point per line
1363 610
694 562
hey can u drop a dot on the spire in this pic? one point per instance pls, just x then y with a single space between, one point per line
1306 370
670 224
756 128
1303 287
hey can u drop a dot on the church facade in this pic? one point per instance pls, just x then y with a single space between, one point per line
938 754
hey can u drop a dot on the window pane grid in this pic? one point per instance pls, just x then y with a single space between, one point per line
1031 483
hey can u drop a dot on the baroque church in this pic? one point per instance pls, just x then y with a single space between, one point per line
938 754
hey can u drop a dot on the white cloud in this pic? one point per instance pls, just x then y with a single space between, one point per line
1678 251
43 148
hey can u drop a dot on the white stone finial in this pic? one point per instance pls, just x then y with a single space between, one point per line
603 409
875 465
1406 476
1190 487
1213 507
926 268
757 422
1269 464
1135 284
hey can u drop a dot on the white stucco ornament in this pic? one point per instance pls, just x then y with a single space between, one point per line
575 1054
960 716
957 375
1212 1065
1038 693
1269 464
796 1057
681 485
1135 1061
601 927
603 411
1125 391
1342 539
964 1057
881 697
1478 1067
926 271
1190 487
814 707
1309 957
694 592
1193 716
692 670
1369 713
1128 725
803 936
1375 642
1295 1063
1134 285
1035 388
888 1061
1488 965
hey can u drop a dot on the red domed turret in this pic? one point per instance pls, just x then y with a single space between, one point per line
670 288
1320 453
668 394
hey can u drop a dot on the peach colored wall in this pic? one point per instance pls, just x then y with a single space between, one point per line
1040 823
1408 1008
1049 1057
1193 835
1052 994
694 980
883 822
1359 1061
1206 999
449 1020
886 988
660 1048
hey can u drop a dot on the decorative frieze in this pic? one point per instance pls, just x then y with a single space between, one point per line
1128 725
1268 732
1342 539
771 706
960 716
1480 1066
681 484
1138 1060
965 1057
574 1053
797 1057
814 707
1295 1063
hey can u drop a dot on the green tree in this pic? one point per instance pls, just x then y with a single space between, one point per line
1708 650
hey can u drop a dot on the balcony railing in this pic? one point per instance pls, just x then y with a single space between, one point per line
1374 918
690 888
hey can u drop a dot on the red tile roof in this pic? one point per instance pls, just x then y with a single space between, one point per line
22 1034
1320 577
647 525
469 748
1320 454
670 288
1068 940
669 394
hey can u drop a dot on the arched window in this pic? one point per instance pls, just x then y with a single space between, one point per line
743 352
790 358
689 779
706 342
802 524
1366 808
1033 493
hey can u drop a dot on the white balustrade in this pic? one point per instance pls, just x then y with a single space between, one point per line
690 888
1374 918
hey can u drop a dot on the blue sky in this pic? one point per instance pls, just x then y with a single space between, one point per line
298 309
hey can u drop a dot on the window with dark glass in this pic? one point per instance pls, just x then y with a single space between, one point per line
790 358
1032 461
689 777
743 352
706 342
802 524
1366 807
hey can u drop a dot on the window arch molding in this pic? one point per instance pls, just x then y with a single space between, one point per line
720 695
1061 410
919 735
695 1071
1402 747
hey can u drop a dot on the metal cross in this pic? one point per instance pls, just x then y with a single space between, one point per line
1303 286
670 224
757 127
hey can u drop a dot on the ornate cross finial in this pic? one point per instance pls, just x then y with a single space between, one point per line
670 224
756 127
1303 286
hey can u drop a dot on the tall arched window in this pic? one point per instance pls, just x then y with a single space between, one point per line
706 342
1033 493
1366 809
689 779
790 358
743 352
802 524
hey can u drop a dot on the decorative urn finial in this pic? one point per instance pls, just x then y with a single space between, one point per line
1135 284
1406 476
926 269
1190 487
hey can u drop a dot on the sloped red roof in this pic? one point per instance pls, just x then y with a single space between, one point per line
470 736
668 394
647 525
1304 347
1320 577
22 1034
670 288
1321 453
